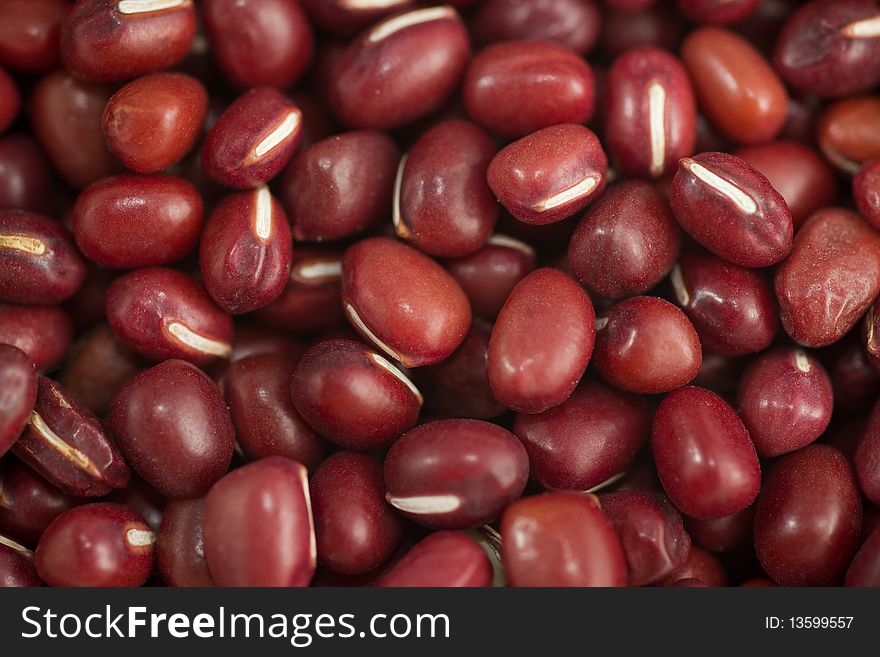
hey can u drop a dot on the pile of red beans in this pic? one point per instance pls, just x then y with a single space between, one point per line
378 292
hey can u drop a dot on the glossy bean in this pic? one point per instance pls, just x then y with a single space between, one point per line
180 544
447 559
18 394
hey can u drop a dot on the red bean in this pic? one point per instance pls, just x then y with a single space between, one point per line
100 544
344 18
701 568
16 565
258 526
866 193
180 544
30 34
561 539
18 383
717 13
725 534
10 100
550 174
808 518
355 528
454 474
864 569
847 131
42 332
830 279
585 441
541 343
867 458
658 26
447 559
28 503
705 458
26 178
173 426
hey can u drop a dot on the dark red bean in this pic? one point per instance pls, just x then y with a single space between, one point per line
16 565
180 544
163 313
808 518
732 308
152 122
343 17
830 279
651 533
173 426
866 192
100 544
258 526
736 87
25 175
541 343
454 474
38 260
724 534
855 380
67 445
561 539
785 401
650 112
10 100
489 275
141 498
353 396
585 441
42 332
30 34
18 394
731 209
442 204
864 569
340 186
259 42
717 12
355 528
116 39
830 48
28 503
867 458
131 221
550 174
403 302
797 172
253 340
399 70
446 559
701 567
659 26
257 389
647 345
705 458
626 242
847 130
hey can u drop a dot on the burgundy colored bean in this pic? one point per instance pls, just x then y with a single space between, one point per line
353 396
724 534
808 518
253 340
650 112
459 386
659 26
705 458
141 498
28 503
67 445
736 87
588 439
66 117
454 474
541 343
651 533
340 186
864 569
18 394
446 559
731 209
549 175
732 308
310 301
173 426
442 204
253 140
399 70
572 23
25 175
855 380
344 18
647 345
39 263
830 279
163 313
152 122
717 12
101 544
42 332
867 458
131 221
403 302
257 390
626 242
30 34
797 172
245 251
785 401
830 48
700 567
847 130
489 275
259 42
514 88
355 528
866 192
106 40
258 526
10 100
16 565
561 539
180 544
